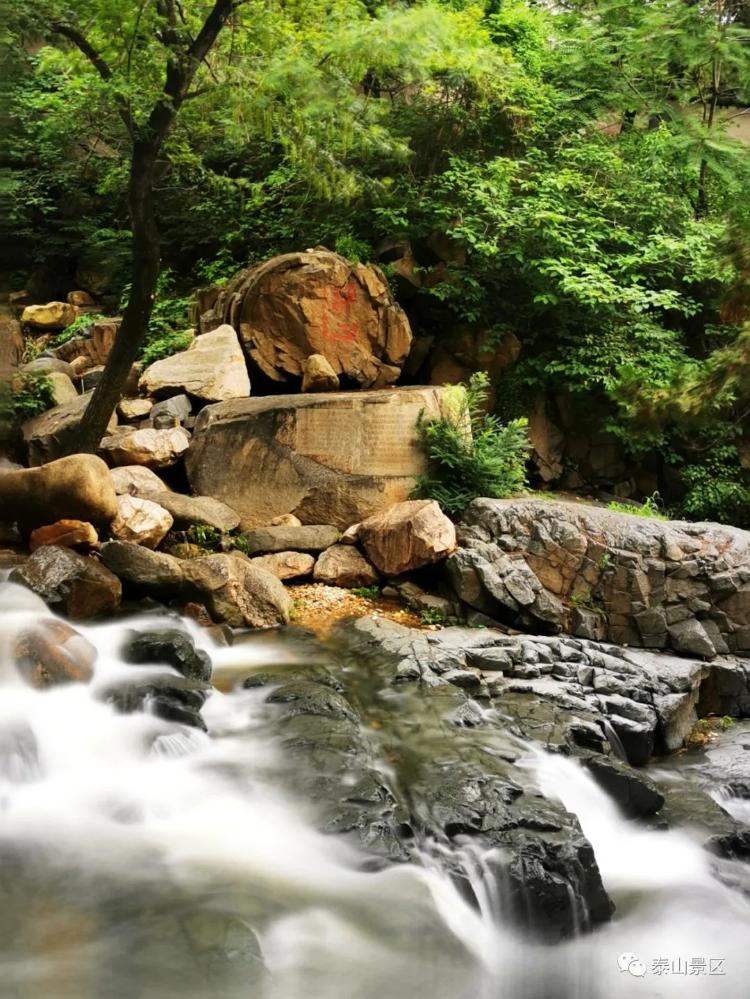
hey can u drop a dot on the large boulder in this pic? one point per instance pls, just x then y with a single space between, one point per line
408 536
211 369
286 565
146 570
51 652
49 435
77 587
148 447
315 302
330 458
52 316
237 592
649 583
140 521
62 389
308 538
78 487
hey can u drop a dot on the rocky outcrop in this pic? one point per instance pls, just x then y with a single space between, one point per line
315 302
328 459
78 487
408 536
51 434
78 587
600 574
212 369
140 521
148 447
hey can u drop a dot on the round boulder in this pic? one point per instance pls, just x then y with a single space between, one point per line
78 487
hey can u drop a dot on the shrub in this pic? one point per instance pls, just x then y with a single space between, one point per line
163 346
648 508
470 453
27 396
77 326
717 489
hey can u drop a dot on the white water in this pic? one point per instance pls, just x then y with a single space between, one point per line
143 864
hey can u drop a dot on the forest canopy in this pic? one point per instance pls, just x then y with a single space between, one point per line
582 162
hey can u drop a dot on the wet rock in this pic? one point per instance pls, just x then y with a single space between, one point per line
212 369
635 793
75 586
140 521
309 538
237 592
171 647
75 534
408 536
286 565
136 480
148 447
343 565
77 487
51 653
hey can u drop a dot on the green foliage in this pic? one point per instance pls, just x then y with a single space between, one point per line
433 617
649 508
27 396
162 346
205 536
79 325
470 453
366 592
717 488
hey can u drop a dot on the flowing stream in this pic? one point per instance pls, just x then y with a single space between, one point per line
139 860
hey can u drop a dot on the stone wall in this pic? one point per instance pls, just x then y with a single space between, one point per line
606 575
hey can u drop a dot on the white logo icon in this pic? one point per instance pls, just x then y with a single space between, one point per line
629 962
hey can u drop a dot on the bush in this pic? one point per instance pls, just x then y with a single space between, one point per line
471 453
27 396
163 346
79 325
717 489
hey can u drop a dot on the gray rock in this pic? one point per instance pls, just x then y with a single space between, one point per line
690 637
155 572
177 408
190 510
343 565
309 538
77 587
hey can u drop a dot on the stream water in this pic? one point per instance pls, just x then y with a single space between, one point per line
143 862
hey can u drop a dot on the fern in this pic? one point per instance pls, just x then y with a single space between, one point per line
470 453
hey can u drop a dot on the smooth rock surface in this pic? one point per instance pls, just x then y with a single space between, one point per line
136 480
134 409
78 487
329 458
286 565
48 435
78 587
52 316
51 653
190 510
144 569
343 565
308 538
76 534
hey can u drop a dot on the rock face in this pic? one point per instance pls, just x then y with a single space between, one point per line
51 653
599 574
315 302
343 565
52 316
140 521
237 592
328 459
76 534
148 447
408 536
211 369
48 435
78 587
77 487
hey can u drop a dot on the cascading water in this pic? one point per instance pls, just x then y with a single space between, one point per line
142 859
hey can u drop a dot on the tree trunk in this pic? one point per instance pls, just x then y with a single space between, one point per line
132 332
